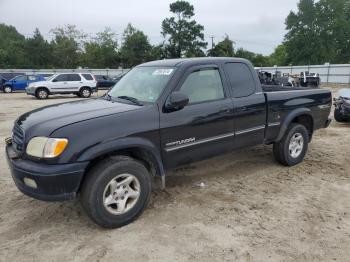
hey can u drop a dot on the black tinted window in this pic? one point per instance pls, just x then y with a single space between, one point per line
88 77
99 77
61 78
74 77
241 79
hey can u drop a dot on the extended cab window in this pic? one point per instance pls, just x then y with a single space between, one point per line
241 79
74 77
203 85
61 78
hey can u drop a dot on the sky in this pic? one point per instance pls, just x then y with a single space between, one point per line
255 25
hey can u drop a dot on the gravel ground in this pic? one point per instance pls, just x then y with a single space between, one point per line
250 209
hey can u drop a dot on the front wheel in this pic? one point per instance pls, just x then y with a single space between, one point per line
116 191
292 148
42 93
7 89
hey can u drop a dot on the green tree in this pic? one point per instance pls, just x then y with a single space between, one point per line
135 48
225 48
184 36
256 59
279 56
333 18
303 42
67 46
38 51
102 51
12 54
158 52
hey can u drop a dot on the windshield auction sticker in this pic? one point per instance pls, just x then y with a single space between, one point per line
163 72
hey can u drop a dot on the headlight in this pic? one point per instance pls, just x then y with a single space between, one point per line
45 147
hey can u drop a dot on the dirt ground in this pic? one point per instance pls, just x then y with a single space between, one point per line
250 209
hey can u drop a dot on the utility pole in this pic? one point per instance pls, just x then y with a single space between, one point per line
212 41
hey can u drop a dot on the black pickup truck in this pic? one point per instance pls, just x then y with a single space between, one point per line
159 116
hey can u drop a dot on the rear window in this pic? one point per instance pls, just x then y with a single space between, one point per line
88 76
241 79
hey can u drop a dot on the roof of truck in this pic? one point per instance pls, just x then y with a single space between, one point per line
192 61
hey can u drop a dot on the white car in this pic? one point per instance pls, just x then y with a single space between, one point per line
80 84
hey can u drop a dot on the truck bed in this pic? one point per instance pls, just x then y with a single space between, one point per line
274 88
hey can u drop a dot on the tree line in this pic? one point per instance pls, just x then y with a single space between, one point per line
317 33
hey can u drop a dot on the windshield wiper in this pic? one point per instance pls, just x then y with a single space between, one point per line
131 99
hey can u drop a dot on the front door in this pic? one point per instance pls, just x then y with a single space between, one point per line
21 82
204 127
59 83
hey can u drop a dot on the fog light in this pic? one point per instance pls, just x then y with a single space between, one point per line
30 182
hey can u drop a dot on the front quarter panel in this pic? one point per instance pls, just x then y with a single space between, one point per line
95 137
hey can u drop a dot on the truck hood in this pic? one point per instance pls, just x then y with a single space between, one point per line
43 121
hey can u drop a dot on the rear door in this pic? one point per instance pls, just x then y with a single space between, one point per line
74 82
249 105
204 127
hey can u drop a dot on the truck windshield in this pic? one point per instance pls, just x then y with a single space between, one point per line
144 84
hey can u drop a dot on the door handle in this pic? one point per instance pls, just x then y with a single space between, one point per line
242 109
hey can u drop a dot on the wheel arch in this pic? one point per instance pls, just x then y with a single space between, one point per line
42 87
302 116
137 148
88 87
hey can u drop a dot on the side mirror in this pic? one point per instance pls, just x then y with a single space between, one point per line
176 101
54 80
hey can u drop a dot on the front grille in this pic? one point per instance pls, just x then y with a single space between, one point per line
18 137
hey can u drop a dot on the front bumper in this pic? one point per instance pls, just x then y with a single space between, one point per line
53 182
30 91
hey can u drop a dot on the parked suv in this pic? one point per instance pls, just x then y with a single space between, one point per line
80 84
20 82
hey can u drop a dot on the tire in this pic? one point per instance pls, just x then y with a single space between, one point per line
7 89
338 116
41 93
96 192
292 149
85 92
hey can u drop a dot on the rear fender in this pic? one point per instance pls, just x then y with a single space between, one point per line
289 118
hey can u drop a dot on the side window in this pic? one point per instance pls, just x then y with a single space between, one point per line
241 79
203 85
88 77
61 78
21 78
74 77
